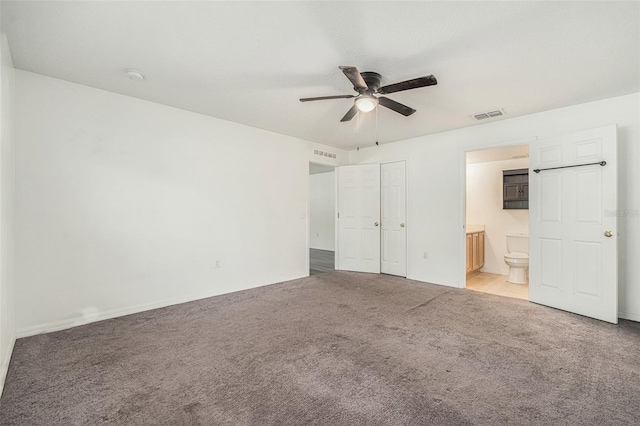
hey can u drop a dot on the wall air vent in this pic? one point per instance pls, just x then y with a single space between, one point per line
324 153
490 114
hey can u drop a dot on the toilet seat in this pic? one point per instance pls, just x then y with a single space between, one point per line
517 258
517 255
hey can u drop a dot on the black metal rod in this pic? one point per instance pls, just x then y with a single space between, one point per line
602 163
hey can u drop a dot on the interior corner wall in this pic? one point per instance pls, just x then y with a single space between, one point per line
435 175
7 288
484 207
322 210
124 205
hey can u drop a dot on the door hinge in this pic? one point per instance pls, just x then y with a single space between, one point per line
338 215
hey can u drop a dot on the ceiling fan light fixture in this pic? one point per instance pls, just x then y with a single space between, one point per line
366 103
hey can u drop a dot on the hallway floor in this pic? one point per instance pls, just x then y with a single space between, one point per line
498 285
321 261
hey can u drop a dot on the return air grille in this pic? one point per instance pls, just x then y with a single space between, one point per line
490 114
324 153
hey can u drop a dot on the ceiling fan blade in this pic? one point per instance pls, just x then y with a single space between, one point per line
322 98
395 106
350 114
354 76
429 80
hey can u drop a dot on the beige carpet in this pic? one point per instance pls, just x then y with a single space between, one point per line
334 349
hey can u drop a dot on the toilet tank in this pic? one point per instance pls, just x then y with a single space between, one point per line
518 242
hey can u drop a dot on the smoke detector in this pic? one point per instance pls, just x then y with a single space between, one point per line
134 74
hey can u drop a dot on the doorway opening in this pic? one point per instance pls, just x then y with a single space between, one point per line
497 221
322 218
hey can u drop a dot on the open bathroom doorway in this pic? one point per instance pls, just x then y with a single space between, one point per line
322 218
497 221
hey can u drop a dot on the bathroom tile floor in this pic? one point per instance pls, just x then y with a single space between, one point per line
497 284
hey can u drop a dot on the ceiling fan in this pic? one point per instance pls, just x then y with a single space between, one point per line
367 84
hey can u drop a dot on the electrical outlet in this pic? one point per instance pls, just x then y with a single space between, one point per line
217 263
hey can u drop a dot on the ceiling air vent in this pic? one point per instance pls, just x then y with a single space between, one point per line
324 153
490 114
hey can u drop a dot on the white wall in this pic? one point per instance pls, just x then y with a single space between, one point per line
7 323
322 205
435 172
484 207
124 205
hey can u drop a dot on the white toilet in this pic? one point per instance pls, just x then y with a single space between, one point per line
518 258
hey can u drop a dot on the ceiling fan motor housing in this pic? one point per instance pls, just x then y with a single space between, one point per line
372 79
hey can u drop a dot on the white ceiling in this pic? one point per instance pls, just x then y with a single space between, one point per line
250 62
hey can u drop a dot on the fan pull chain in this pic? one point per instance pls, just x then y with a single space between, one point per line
377 126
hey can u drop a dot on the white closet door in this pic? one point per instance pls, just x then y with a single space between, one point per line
394 217
359 218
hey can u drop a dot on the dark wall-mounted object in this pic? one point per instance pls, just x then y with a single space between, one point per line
515 189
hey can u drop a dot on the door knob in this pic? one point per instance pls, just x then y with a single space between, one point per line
376 224
402 225
608 234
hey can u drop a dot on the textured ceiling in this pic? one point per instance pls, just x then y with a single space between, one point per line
249 62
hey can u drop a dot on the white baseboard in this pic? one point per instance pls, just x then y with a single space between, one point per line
4 365
114 313
628 316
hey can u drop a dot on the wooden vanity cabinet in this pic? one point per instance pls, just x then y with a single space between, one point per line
469 253
475 252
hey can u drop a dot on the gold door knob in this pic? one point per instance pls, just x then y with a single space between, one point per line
608 234
402 225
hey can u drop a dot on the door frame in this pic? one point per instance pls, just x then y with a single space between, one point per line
335 214
462 162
